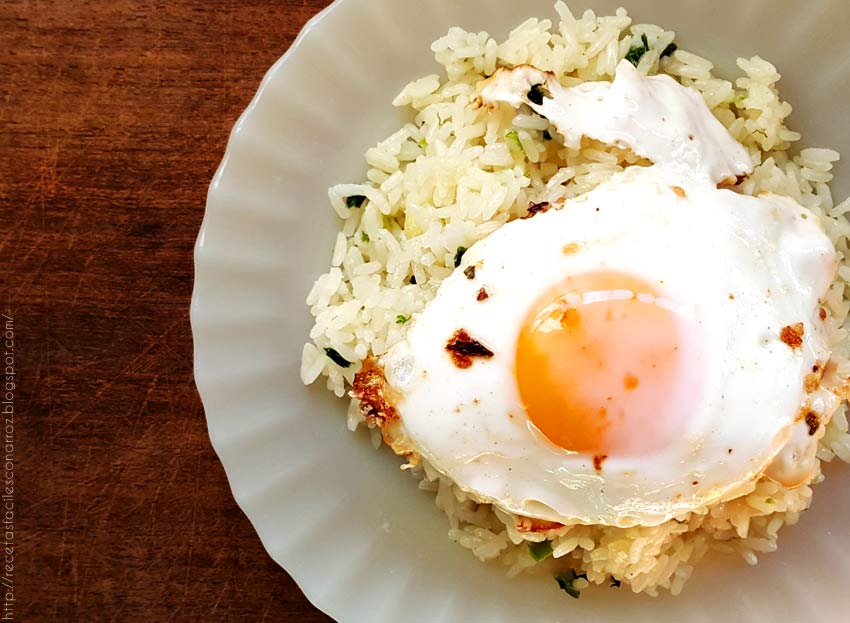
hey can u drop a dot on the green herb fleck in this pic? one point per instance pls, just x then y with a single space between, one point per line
637 51
540 551
459 255
669 50
537 93
769 501
422 143
355 201
566 579
401 319
514 144
364 236
547 136
338 359
615 583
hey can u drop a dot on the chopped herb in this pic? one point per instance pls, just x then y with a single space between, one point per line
514 144
769 501
469 271
637 51
566 579
615 583
401 319
459 255
338 359
540 551
669 50
537 93
547 136
355 201
422 143
364 236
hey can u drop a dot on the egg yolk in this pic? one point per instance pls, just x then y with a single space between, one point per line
600 365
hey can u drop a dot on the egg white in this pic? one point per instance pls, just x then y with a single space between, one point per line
471 425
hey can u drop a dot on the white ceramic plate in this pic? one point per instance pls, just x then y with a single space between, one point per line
355 533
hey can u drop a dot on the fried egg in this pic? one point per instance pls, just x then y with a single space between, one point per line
638 353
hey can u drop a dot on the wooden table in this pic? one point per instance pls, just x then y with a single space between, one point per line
115 115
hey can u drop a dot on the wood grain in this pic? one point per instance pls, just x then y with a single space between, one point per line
115 115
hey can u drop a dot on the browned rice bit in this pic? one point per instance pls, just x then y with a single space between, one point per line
370 388
813 422
537 208
529 524
792 335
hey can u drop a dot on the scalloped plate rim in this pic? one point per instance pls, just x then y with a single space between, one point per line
321 599
314 598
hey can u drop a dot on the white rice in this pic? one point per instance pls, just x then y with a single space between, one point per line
457 174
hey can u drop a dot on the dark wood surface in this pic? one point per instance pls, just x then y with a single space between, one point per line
115 114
